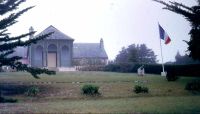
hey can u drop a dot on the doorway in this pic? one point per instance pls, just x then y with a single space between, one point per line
51 60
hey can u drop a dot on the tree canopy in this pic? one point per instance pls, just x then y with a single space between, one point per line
136 54
8 43
191 14
184 59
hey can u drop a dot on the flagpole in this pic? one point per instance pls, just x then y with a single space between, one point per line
163 67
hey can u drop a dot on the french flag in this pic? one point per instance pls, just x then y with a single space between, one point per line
163 35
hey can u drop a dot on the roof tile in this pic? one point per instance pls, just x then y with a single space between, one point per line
56 35
88 50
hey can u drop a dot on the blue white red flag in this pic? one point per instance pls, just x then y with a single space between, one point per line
163 35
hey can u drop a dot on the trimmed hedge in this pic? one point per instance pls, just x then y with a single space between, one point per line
175 70
191 70
123 67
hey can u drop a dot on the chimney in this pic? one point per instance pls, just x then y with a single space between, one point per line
31 30
29 47
101 44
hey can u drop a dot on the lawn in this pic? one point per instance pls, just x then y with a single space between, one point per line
62 93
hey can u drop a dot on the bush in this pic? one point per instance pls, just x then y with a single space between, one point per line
193 86
145 90
32 91
90 89
171 76
141 89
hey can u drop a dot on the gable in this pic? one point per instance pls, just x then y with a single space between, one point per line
56 35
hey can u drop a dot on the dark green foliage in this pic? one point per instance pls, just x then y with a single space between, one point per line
193 86
136 54
145 90
90 89
185 59
122 67
7 100
171 76
112 68
131 67
32 70
8 43
172 70
141 89
33 91
191 14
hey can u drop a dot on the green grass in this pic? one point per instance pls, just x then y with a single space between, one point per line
126 105
69 77
62 93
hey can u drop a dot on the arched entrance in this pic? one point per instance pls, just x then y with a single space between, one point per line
38 56
65 56
52 56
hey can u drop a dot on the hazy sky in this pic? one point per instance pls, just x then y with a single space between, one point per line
119 22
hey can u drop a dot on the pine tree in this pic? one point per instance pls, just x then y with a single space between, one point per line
8 43
192 14
136 54
184 59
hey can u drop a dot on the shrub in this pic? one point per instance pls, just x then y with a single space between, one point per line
90 89
141 89
145 90
171 76
193 86
32 91
137 89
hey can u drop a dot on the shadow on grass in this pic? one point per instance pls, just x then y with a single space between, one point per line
7 100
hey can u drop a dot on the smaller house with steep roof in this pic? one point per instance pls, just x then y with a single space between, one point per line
89 54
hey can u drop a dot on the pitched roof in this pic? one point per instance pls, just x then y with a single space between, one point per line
56 35
88 50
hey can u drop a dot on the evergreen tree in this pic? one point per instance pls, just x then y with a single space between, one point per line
122 56
8 43
185 59
133 53
136 54
146 55
192 14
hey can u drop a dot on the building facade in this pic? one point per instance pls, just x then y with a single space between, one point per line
54 51
59 50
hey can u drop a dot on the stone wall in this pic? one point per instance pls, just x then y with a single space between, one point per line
89 61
